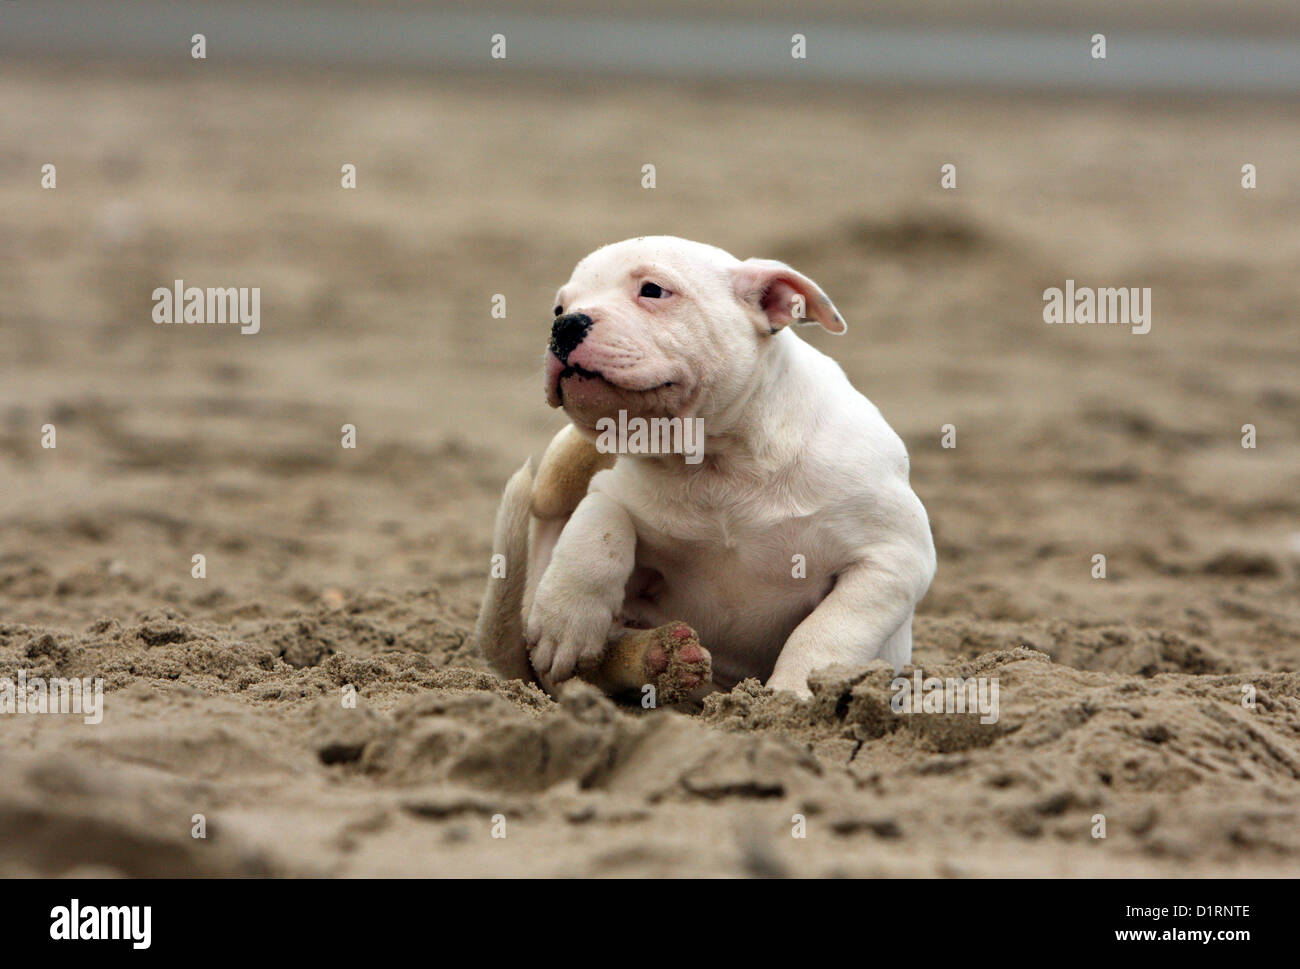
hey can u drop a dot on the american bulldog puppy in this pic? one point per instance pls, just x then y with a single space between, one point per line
791 541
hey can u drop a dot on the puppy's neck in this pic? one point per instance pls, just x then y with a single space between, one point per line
765 427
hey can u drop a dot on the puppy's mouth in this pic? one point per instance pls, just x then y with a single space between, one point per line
588 395
555 393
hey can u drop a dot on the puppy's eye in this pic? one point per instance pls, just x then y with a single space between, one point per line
559 310
653 291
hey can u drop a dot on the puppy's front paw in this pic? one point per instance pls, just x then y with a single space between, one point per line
796 683
567 635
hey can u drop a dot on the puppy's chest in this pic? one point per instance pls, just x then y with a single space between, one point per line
757 543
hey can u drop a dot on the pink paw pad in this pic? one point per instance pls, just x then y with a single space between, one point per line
677 663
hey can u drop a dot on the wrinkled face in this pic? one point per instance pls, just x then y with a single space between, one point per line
663 327
639 327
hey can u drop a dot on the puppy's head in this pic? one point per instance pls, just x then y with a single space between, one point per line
663 327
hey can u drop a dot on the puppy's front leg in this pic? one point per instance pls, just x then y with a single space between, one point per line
871 604
581 592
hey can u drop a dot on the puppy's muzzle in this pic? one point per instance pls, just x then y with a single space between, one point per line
567 332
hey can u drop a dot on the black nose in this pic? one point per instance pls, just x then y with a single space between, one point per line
567 332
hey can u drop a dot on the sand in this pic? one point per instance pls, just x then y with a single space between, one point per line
331 569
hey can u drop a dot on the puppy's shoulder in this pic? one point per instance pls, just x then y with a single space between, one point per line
852 427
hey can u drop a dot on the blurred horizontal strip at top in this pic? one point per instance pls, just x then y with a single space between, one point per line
672 43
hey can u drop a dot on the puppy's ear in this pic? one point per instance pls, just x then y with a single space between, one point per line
784 296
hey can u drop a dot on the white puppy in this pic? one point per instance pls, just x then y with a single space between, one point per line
794 544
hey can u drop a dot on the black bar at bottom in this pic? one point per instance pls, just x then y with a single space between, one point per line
342 917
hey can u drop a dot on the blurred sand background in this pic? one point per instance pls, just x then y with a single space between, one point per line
328 566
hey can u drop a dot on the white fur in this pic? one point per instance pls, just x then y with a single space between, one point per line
797 463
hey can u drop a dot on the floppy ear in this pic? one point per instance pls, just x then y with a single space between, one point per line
784 296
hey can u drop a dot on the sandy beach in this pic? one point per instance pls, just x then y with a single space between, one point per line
329 567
